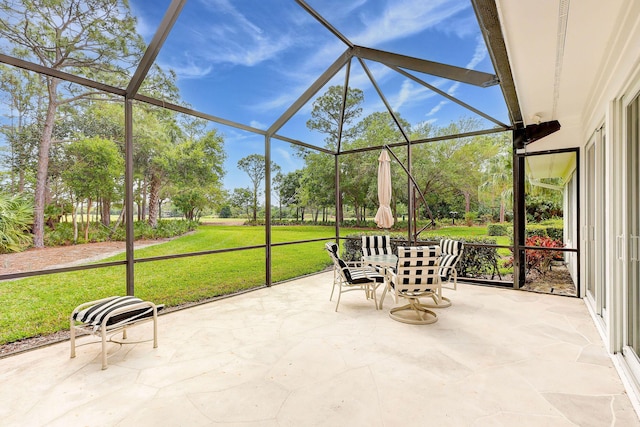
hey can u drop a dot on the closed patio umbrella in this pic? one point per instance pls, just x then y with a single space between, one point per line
384 216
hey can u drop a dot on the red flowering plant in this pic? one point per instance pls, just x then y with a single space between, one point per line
540 260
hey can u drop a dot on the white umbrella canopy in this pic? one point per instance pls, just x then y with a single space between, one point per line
384 216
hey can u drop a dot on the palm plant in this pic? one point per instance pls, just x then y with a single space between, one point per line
16 220
499 179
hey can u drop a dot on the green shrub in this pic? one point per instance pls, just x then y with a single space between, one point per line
475 261
498 229
225 211
16 217
62 235
470 217
535 230
550 229
541 208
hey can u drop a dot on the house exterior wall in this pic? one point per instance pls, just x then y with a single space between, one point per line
617 82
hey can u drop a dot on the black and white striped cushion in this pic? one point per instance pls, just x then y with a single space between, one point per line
369 274
376 245
95 314
451 253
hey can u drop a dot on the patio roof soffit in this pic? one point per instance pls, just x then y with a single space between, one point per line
489 21
149 57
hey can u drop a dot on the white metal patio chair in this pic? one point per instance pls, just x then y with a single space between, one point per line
350 276
417 277
451 255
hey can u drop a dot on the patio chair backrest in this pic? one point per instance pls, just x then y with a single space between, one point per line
418 268
376 245
451 254
339 264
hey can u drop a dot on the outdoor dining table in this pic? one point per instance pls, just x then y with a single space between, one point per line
384 261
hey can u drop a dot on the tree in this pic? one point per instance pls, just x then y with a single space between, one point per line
255 166
468 163
196 173
225 212
359 171
22 135
289 191
91 38
241 199
190 203
103 118
325 115
449 171
498 179
325 118
316 184
95 167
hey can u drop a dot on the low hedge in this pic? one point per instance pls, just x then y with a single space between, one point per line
476 261
499 229
543 230
62 235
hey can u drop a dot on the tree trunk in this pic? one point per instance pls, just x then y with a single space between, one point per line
502 210
106 212
143 203
75 222
43 165
21 181
154 199
86 226
255 204
467 202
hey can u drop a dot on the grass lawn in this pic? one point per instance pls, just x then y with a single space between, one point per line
41 305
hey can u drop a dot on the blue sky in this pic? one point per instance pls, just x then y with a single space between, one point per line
249 60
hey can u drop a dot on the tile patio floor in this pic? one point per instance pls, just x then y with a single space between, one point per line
283 357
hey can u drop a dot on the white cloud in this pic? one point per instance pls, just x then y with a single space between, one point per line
410 94
479 54
280 102
256 124
437 108
404 18
189 70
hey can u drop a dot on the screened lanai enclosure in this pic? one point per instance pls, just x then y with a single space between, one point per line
174 105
